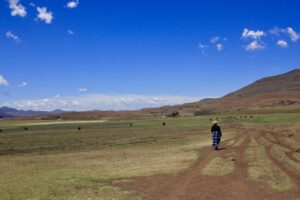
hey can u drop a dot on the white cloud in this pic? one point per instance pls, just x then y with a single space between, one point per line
12 36
254 45
3 81
23 84
282 43
72 4
252 34
70 32
289 31
203 47
44 15
214 39
255 36
82 90
101 102
17 9
293 35
220 47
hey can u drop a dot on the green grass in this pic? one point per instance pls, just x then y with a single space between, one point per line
41 139
270 118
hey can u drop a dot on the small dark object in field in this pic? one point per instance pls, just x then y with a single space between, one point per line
290 135
233 159
26 128
251 116
130 124
245 117
164 123
210 119
79 128
0 130
297 150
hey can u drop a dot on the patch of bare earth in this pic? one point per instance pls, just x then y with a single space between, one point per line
230 183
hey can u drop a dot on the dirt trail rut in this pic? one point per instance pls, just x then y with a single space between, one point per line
193 184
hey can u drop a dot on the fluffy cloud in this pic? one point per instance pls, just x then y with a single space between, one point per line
17 9
12 36
3 81
254 45
220 47
44 15
293 35
72 4
23 84
282 43
289 31
252 34
100 102
255 36
82 90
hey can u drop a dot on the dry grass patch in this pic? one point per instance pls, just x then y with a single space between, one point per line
239 142
78 175
290 142
270 137
279 153
296 155
261 168
230 142
220 166
264 141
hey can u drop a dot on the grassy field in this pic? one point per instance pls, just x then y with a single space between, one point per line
49 160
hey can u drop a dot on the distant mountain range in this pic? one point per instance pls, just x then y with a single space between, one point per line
6 112
279 93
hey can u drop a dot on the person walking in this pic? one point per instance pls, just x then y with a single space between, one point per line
216 135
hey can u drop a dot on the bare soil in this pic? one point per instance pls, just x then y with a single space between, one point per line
193 185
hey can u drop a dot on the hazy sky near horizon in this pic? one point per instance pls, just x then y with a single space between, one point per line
118 54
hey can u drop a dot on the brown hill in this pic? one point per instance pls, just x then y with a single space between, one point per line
279 93
271 92
284 83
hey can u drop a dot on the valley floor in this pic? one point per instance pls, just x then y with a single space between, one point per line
252 165
144 159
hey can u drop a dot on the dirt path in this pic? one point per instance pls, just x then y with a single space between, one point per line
192 184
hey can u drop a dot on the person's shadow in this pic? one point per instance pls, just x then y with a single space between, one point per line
223 148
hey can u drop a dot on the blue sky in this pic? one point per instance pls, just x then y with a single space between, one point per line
79 55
